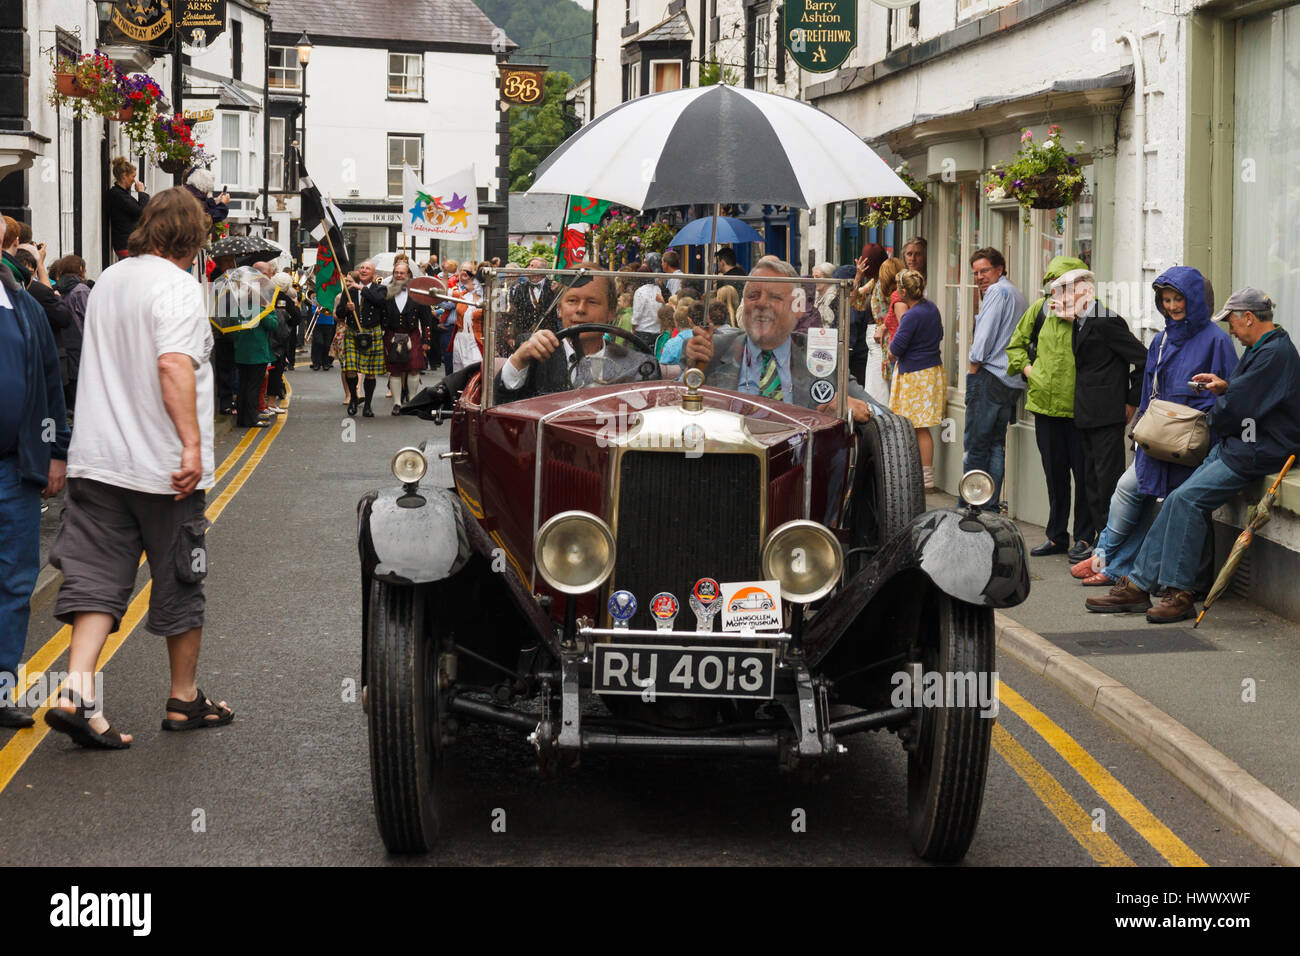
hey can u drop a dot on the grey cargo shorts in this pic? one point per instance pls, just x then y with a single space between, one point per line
101 533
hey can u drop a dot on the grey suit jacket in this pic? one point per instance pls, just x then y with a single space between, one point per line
728 352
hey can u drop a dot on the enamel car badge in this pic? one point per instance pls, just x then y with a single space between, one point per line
622 605
822 349
705 601
664 608
751 605
822 391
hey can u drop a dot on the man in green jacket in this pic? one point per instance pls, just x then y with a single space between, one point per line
1041 350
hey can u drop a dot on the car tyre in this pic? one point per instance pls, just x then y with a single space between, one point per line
947 766
405 719
889 489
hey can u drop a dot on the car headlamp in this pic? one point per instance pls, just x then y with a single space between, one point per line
976 488
805 557
574 552
409 466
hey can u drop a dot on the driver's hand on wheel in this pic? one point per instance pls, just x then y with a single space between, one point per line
698 350
537 349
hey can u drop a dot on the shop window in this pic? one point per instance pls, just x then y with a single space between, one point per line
230 142
665 75
276 148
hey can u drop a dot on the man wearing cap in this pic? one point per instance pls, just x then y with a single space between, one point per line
1257 419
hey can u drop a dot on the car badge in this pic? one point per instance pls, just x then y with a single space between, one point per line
822 391
622 605
664 608
705 601
821 349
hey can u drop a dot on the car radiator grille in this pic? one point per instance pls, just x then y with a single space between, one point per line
681 519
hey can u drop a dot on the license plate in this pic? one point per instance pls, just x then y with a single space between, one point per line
657 670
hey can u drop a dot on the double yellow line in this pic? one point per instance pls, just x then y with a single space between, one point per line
24 742
1077 821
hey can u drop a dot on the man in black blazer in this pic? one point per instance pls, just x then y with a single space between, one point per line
1108 365
531 298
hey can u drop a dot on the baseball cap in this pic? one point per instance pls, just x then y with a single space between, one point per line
1244 300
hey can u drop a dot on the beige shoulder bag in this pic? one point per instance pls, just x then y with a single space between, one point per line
1170 431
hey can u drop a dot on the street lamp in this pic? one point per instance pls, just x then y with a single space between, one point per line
304 57
304 49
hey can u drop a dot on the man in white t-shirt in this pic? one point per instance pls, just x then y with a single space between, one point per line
139 464
672 262
645 312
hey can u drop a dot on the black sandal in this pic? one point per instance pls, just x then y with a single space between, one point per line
197 712
77 726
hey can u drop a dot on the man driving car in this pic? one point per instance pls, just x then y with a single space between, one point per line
545 363
765 358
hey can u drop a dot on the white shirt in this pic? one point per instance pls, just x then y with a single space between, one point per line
512 378
400 299
140 309
645 308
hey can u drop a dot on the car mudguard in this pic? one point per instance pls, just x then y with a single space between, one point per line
970 555
411 545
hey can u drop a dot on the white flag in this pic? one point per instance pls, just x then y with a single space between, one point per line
447 209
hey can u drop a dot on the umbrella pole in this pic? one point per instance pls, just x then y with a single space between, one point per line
709 266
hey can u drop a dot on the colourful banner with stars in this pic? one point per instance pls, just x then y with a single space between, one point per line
447 209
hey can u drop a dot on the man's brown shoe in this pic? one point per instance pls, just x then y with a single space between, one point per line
1174 606
1122 597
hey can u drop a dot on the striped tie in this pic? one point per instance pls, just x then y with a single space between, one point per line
769 381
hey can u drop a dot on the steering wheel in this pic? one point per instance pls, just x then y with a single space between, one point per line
647 374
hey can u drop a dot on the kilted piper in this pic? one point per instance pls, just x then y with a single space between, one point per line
361 309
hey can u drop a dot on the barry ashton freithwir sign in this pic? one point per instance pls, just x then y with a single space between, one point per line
820 34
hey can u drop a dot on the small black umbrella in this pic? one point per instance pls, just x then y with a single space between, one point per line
248 249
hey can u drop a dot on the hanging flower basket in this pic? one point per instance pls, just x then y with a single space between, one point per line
173 166
124 114
886 209
1048 191
67 85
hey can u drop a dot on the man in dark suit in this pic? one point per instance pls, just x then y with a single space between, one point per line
767 358
544 364
531 298
1108 365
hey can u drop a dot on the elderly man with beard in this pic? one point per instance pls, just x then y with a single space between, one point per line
767 358
407 329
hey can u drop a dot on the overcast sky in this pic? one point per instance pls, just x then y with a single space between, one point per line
585 4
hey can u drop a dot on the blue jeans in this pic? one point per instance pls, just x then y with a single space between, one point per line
990 406
1171 554
20 557
1131 515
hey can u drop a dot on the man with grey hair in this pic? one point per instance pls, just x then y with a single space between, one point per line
1257 421
34 439
361 307
767 358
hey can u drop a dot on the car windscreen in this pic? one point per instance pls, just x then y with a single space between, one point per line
779 336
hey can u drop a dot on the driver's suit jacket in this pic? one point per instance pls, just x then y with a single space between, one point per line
728 351
543 378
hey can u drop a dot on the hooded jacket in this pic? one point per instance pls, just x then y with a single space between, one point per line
1191 345
1258 417
1051 379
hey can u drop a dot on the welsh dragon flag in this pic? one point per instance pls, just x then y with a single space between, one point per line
582 213
324 220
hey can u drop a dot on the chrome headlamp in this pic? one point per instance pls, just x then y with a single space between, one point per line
805 557
976 488
409 466
574 552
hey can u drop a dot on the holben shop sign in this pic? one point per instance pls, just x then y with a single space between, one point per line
820 34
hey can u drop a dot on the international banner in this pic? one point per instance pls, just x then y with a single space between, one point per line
820 34
143 22
447 209
523 85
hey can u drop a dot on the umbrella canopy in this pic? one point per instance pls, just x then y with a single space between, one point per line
716 144
699 231
241 298
248 249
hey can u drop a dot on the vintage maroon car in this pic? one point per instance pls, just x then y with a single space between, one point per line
586 525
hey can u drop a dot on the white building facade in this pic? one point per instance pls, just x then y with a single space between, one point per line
407 83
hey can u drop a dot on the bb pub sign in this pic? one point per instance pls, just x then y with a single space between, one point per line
820 34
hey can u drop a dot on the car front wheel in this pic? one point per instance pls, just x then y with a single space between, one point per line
405 719
947 763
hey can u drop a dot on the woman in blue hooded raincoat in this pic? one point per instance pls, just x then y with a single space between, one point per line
1190 343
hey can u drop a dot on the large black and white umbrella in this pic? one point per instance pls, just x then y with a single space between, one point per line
717 144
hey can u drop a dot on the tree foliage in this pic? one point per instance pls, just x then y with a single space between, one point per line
546 30
536 130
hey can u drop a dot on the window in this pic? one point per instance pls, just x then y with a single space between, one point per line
67 185
236 49
904 24
665 75
631 88
405 76
285 73
629 12
757 49
967 9
276 150
230 140
403 151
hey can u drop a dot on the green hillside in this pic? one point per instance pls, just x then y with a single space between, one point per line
545 29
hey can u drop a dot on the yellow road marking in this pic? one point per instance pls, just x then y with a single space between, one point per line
24 742
233 457
1073 817
1100 779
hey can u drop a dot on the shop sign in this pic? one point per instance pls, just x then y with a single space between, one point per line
820 34
201 21
523 86
141 21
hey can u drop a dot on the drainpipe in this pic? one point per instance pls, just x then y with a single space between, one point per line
1139 183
